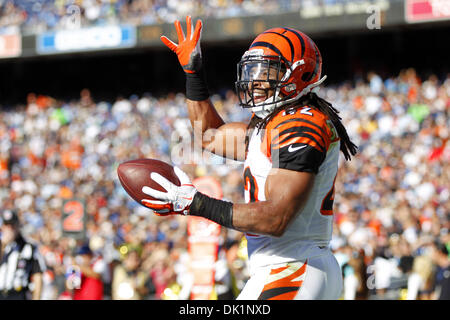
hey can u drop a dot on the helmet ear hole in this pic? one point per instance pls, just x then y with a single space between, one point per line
306 76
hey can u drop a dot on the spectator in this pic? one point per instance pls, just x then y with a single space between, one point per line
440 256
92 269
21 265
129 281
224 280
420 282
355 276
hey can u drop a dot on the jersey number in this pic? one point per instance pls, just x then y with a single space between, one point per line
250 185
305 110
327 203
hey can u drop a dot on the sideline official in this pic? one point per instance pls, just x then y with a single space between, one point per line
21 265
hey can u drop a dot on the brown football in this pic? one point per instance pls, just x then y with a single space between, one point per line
135 174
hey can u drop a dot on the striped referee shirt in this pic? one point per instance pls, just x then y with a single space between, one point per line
19 261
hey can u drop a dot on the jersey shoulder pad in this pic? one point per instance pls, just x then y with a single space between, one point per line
303 126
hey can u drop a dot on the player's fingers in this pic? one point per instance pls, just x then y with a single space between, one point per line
162 213
198 31
180 32
189 30
159 206
156 203
170 44
182 176
159 210
155 193
163 182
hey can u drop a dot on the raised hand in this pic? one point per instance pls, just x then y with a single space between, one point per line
188 48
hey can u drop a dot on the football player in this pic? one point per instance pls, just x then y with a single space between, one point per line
290 148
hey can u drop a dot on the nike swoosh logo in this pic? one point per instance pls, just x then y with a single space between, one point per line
291 149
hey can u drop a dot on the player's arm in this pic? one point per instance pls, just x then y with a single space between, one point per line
297 145
286 193
209 127
224 139
286 190
297 150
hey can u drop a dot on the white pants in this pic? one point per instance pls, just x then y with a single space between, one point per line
316 278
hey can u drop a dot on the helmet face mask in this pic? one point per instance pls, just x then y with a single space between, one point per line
260 80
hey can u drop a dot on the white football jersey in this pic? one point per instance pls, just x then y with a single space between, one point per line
301 140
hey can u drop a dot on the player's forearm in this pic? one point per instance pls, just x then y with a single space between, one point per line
204 120
286 192
203 115
261 218
257 217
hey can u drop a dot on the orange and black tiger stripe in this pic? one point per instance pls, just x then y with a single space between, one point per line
285 130
299 131
286 43
294 35
283 42
307 76
251 185
284 283
326 207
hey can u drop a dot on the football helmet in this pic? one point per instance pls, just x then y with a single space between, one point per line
281 65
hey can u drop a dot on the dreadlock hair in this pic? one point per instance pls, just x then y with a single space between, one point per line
311 100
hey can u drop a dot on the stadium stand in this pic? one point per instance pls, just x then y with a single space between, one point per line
42 15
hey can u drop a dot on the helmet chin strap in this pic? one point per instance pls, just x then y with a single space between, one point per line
264 108
312 87
264 111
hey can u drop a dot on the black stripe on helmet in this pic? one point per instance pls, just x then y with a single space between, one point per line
288 40
302 41
267 45
307 76
316 69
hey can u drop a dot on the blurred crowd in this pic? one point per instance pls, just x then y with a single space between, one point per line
41 15
392 201
391 204
34 16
